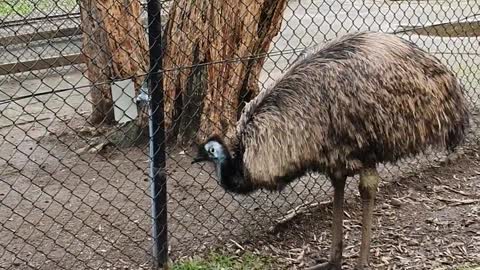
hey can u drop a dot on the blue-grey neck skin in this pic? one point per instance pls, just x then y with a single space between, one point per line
218 155
218 168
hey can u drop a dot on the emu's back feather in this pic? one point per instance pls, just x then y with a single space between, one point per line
357 100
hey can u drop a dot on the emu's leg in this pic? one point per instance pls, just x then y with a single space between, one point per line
369 179
336 249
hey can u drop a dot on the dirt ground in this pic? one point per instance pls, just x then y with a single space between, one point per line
62 209
429 220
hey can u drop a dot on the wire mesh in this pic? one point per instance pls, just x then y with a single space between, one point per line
72 199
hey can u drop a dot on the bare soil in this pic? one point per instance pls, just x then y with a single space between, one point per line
65 209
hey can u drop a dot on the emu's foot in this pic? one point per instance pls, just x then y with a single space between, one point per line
325 266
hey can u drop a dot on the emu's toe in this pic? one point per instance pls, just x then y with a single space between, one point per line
325 266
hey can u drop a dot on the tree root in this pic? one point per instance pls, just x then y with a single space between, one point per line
121 136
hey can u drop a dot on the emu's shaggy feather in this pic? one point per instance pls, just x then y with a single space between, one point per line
358 100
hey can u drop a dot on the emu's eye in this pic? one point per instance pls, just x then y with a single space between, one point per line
212 150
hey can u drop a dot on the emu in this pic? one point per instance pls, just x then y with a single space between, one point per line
356 101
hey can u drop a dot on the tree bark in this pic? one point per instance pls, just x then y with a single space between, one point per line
232 36
115 47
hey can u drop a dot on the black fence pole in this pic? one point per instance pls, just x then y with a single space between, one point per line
157 138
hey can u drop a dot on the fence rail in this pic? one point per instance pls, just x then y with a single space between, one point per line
76 178
56 31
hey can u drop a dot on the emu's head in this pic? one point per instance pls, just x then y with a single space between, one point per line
213 150
230 176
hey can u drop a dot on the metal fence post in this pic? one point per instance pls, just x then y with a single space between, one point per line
157 138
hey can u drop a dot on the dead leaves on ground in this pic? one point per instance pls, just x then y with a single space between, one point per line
428 221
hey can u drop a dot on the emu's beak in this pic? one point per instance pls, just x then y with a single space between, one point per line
198 159
201 156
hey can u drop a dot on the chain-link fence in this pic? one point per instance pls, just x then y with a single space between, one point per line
74 158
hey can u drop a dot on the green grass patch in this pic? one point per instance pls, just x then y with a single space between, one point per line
25 8
469 267
220 261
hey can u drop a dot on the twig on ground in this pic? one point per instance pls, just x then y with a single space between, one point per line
237 244
455 202
457 191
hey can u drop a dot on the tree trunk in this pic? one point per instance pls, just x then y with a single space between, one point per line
206 99
115 47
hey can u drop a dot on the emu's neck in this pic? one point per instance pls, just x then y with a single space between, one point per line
231 175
